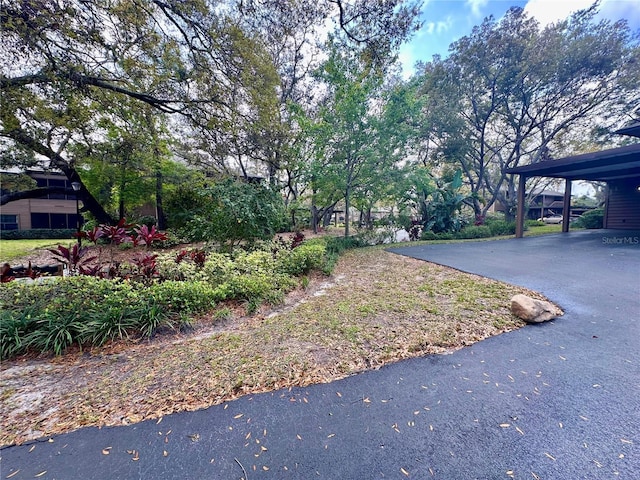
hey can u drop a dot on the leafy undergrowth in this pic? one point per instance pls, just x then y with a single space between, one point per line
377 308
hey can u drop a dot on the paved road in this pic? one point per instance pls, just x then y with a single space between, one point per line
554 401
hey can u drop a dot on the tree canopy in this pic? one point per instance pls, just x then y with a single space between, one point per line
512 92
67 63
122 95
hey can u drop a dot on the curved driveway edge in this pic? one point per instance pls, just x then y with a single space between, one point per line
559 400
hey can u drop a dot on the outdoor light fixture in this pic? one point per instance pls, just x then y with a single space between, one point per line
76 189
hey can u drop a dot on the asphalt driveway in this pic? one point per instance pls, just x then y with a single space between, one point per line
554 401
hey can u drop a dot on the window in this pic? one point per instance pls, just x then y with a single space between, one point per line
40 220
8 222
59 220
53 220
57 196
55 182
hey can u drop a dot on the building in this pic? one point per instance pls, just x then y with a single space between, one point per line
618 167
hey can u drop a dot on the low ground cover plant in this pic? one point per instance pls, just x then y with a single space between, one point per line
104 301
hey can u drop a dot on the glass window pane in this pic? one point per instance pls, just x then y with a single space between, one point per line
59 220
40 220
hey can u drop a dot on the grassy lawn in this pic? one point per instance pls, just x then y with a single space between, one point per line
10 249
542 230
376 308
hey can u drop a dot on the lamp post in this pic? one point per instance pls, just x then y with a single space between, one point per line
76 189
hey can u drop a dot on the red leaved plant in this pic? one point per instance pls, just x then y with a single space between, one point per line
148 235
72 257
146 265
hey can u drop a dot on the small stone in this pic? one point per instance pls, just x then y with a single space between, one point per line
532 310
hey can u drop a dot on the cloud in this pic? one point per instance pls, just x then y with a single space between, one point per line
445 26
550 11
441 26
476 5
429 28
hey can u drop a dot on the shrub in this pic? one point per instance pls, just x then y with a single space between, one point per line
301 260
534 223
429 235
92 310
55 332
77 310
169 268
255 287
502 227
337 245
38 234
217 268
187 297
473 231
233 211
591 219
148 220
258 261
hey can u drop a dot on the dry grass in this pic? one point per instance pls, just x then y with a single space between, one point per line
376 308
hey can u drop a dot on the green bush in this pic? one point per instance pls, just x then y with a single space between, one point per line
55 332
255 287
258 261
429 235
89 310
591 219
232 211
38 234
502 227
184 297
217 268
481 231
302 259
534 223
337 245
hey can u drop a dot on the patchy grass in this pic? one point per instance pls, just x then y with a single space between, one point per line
545 229
10 249
376 308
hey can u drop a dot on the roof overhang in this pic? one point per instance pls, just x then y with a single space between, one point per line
606 165
632 130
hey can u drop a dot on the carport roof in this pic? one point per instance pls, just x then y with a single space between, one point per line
605 165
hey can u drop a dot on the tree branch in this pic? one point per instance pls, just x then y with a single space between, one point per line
33 193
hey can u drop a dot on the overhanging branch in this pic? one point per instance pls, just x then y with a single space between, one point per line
33 193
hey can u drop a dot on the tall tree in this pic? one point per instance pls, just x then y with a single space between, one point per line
510 92
66 61
347 130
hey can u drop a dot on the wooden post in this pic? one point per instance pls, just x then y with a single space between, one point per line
566 207
520 213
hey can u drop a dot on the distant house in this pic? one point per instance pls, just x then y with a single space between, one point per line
49 212
544 203
618 167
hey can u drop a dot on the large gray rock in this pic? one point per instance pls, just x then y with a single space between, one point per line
532 310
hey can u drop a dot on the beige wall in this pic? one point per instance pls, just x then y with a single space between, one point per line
24 208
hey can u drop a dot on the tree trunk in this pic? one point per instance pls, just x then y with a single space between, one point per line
162 220
326 217
347 204
314 218
91 205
